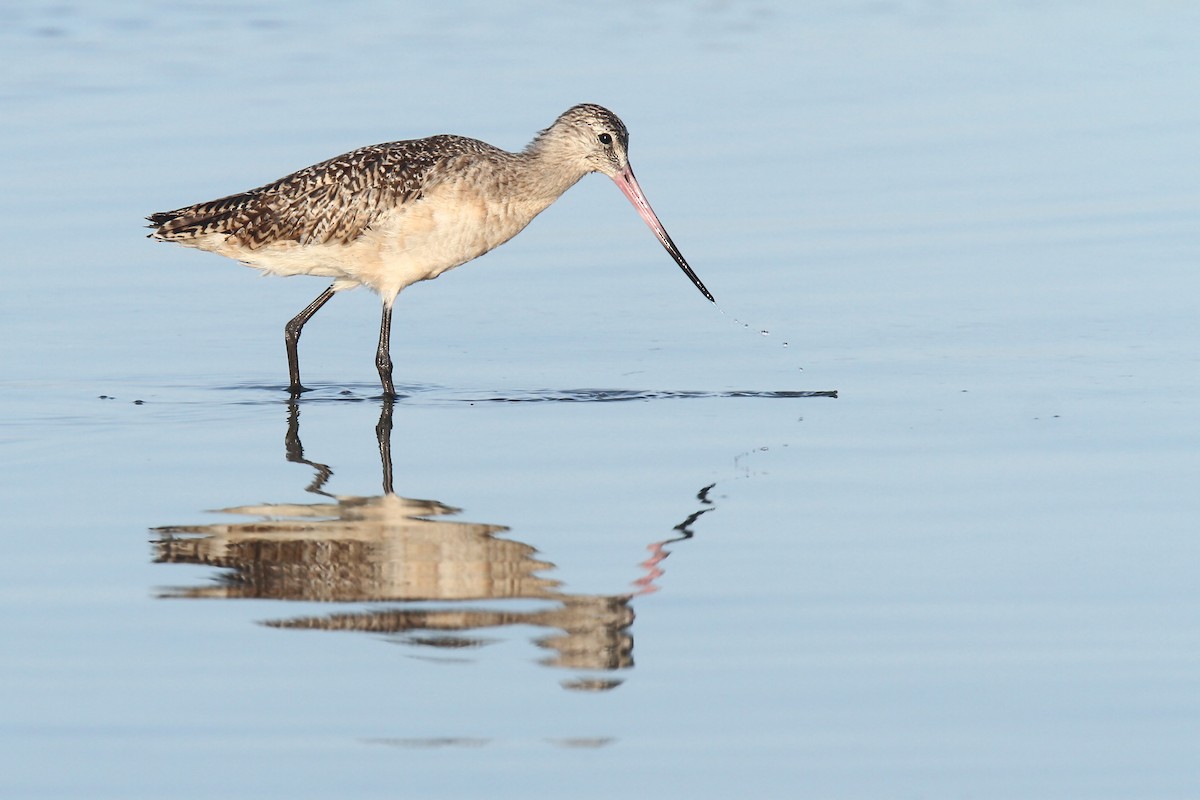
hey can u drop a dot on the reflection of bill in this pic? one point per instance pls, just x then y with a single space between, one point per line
403 552
660 550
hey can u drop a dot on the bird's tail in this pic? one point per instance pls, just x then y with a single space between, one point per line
191 222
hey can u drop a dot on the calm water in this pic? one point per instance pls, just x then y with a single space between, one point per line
634 546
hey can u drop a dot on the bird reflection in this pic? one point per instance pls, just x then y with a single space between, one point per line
437 579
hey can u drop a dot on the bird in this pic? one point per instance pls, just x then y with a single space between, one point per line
390 215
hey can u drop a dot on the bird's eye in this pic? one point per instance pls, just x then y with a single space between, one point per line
605 138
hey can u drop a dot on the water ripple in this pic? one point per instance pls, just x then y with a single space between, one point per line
415 393
625 395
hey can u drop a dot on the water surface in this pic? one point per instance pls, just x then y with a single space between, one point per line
611 540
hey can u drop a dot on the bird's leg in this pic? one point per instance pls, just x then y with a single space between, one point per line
291 335
383 358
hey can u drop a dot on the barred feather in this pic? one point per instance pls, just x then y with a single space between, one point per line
333 201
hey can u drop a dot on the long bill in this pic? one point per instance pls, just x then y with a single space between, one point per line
630 188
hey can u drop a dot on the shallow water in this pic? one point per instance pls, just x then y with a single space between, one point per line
611 540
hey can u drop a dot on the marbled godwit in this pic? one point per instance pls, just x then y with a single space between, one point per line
392 214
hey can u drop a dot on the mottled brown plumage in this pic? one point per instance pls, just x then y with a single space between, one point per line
334 201
392 214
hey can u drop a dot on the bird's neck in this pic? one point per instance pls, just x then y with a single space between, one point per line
548 169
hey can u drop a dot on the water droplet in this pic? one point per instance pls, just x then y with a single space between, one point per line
765 333
785 344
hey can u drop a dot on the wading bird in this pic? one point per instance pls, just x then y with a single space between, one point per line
389 215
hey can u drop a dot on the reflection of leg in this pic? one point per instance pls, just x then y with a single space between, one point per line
291 335
383 432
295 452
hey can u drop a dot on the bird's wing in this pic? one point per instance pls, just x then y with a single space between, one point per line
334 201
